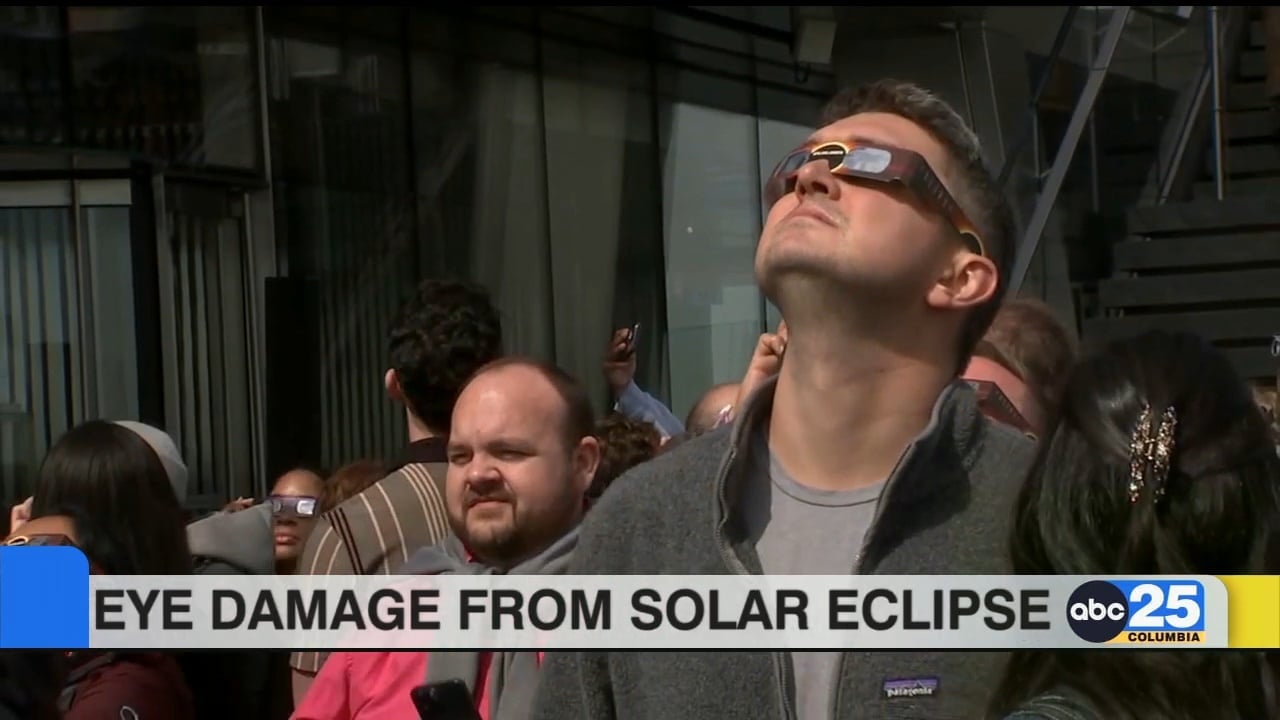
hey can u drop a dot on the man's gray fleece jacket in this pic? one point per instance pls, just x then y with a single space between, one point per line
946 509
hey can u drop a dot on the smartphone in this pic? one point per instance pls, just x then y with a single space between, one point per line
632 338
448 700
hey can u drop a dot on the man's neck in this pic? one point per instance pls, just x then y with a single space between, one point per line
417 431
845 409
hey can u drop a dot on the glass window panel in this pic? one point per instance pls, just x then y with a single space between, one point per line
174 83
711 182
67 329
345 209
32 68
602 190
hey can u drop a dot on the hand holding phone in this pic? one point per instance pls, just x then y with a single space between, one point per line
448 700
622 347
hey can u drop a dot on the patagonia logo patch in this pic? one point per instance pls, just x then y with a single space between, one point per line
911 688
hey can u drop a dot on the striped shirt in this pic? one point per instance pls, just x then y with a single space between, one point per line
374 532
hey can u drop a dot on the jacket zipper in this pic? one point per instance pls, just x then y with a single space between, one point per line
781 662
858 566
783 675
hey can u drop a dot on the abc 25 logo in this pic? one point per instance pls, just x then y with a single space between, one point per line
1138 612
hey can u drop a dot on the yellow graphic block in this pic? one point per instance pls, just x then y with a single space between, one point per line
1253 604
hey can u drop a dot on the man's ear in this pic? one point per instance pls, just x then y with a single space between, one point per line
392 383
970 280
586 459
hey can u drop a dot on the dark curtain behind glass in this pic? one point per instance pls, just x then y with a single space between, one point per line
338 114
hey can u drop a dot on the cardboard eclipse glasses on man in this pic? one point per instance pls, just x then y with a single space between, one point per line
879 163
888 164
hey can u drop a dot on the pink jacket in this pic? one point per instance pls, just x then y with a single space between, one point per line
375 686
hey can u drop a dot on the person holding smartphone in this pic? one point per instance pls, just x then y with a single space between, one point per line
620 373
521 456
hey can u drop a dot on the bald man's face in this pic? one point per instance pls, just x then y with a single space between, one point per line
515 483
297 495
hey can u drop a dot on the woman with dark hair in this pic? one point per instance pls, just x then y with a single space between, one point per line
102 684
1160 464
111 469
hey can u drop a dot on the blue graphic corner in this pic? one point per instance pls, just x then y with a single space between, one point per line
44 598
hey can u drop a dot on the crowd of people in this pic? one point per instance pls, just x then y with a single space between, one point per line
905 418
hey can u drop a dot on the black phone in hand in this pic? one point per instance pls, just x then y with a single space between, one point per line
449 700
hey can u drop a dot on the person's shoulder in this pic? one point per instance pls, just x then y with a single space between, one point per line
384 663
378 499
420 478
149 685
1006 439
647 519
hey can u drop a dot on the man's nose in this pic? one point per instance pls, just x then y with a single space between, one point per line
482 474
815 178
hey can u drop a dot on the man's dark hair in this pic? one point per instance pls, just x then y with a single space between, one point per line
624 443
972 185
444 333
579 417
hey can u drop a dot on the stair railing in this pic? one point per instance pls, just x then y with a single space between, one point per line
1198 114
1098 70
1031 129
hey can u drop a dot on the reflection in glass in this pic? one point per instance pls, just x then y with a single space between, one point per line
67 343
109 287
168 82
712 182
341 154
204 318
601 190
32 111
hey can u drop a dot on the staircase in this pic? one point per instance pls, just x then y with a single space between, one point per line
1207 266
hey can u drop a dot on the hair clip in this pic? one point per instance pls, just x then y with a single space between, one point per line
1151 452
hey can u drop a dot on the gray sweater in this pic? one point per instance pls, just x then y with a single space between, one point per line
945 510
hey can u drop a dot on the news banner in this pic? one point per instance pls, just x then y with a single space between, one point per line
48 599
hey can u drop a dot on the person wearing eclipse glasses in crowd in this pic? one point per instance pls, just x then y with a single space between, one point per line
295 505
886 246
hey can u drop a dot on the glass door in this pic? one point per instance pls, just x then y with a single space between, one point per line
68 332
207 318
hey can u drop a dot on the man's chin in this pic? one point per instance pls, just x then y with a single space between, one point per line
487 534
797 270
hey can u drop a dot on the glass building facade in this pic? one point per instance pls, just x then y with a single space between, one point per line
209 215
